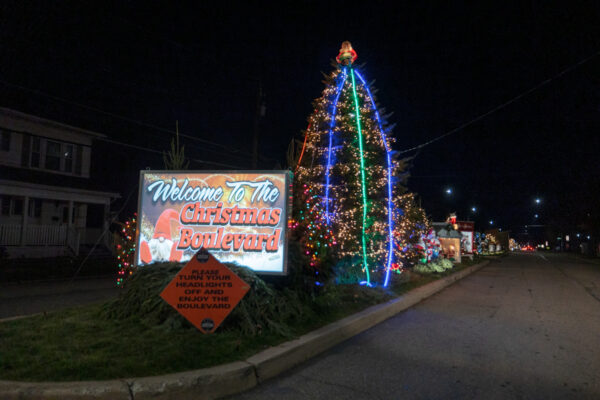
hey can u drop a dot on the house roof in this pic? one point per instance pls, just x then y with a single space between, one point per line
47 122
33 176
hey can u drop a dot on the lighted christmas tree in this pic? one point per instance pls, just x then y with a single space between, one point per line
350 201
125 249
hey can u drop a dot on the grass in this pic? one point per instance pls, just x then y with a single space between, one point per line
77 344
82 344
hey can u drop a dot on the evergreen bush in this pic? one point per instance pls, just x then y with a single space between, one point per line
262 309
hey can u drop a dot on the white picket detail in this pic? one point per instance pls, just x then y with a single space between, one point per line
10 235
45 235
40 235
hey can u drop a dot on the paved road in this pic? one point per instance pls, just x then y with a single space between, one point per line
32 298
524 327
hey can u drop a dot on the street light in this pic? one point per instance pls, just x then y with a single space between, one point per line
491 222
449 191
536 215
538 200
474 209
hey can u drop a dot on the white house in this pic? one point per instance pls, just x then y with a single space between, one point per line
49 206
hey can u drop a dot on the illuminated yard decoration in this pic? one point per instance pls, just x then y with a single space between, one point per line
329 160
125 249
351 200
389 185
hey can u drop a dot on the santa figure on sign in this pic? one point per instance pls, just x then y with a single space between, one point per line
161 247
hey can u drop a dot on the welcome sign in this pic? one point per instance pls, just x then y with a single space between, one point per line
239 216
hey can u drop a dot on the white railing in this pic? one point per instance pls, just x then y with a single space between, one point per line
10 235
40 235
45 235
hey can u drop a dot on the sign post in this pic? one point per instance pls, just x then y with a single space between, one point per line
205 291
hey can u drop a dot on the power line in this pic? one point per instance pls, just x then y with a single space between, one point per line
503 105
142 123
134 146
231 152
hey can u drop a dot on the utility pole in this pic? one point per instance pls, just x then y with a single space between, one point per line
260 112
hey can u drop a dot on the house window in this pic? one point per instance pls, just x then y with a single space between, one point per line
17 206
36 152
53 155
4 140
68 155
5 207
35 208
11 205
78 156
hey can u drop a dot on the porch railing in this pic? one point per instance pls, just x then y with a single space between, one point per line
10 235
40 235
45 235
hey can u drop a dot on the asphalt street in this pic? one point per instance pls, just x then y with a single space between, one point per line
526 326
33 298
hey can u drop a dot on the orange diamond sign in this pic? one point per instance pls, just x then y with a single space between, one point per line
205 291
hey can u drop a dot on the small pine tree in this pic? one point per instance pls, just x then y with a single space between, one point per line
414 226
175 158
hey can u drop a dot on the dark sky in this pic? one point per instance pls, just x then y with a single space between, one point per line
437 65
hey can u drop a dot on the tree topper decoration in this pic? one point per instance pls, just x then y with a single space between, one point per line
347 54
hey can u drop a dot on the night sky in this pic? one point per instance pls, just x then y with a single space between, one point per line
129 70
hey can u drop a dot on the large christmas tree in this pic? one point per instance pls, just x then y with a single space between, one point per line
350 201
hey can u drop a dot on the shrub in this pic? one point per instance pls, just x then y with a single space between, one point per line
437 267
423 268
262 309
446 264
348 271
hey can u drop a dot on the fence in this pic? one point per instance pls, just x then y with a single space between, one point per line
40 235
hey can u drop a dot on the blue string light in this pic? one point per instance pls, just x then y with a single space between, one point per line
389 168
331 126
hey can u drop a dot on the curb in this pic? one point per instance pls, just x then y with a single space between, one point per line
235 377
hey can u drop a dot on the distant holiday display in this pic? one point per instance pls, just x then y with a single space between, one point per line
467 230
240 217
349 199
429 247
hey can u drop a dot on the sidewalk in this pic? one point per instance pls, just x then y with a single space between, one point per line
39 297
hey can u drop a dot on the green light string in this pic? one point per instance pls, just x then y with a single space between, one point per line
362 177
